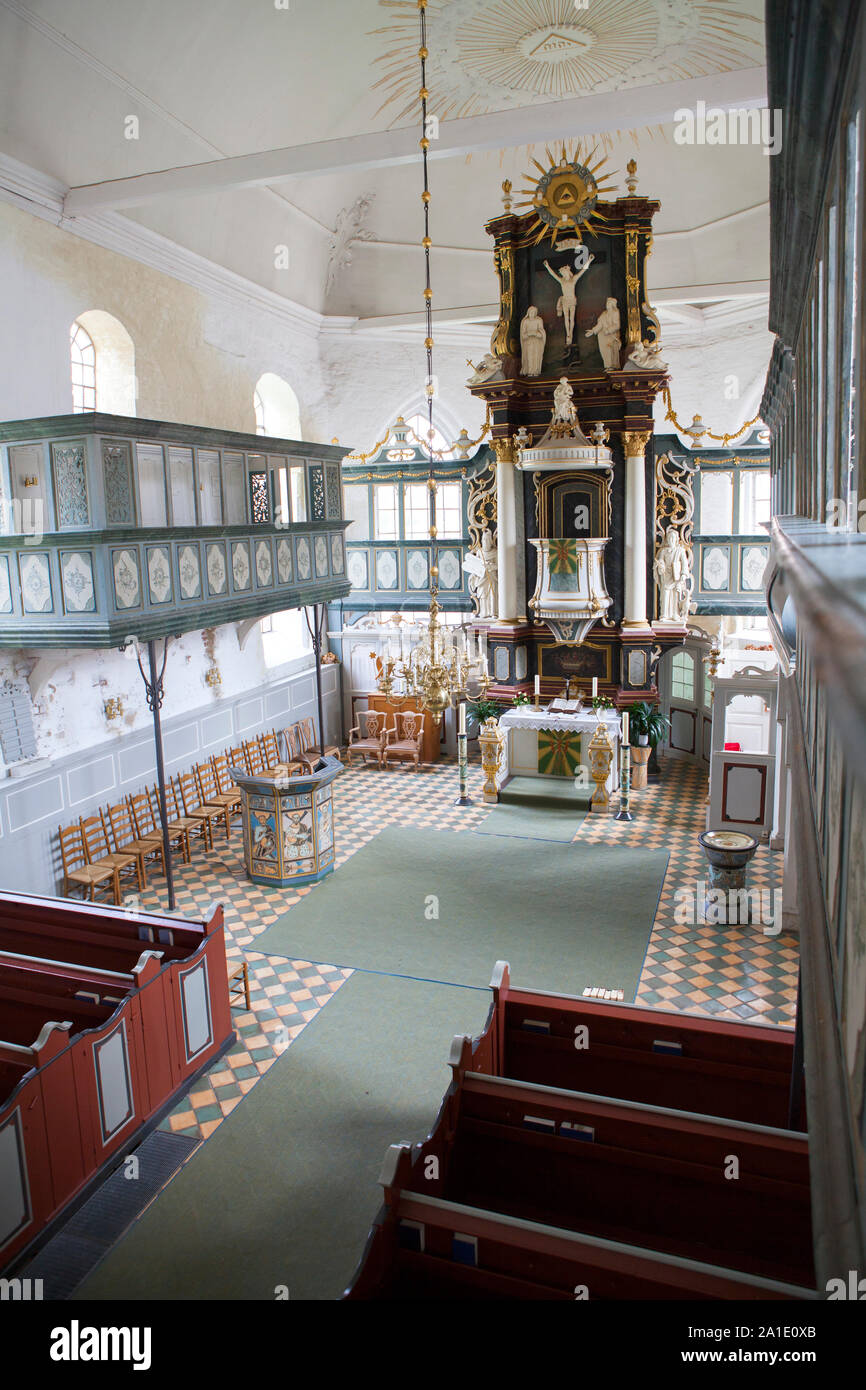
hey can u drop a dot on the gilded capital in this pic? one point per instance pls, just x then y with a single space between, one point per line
504 450
635 442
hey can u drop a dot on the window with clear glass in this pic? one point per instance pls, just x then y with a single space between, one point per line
285 637
210 497
298 491
385 519
416 511
449 510
356 510
83 361
754 499
150 465
683 677
233 478
419 426
182 487
717 502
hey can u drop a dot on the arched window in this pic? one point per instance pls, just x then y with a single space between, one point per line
277 409
419 427
83 358
102 358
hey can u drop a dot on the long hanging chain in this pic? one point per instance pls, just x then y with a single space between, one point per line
423 54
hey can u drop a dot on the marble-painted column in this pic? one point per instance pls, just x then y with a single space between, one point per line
635 614
506 531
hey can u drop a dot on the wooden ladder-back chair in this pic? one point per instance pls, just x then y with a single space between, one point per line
404 740
126 840
193 806
77 872
147 823
178 832
191 824
270 750
369 735
226 787
211 795
236 757
253 755
310 753
98 851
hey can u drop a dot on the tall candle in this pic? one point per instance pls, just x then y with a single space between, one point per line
462 725
594 686
625 727
538 685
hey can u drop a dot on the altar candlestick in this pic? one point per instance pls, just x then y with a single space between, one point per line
594 686
537 690
625 727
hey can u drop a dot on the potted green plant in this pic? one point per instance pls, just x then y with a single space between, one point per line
478 711
646 724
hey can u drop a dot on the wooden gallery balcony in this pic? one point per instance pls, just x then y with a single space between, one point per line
112 526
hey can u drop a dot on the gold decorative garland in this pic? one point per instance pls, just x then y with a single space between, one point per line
687 429
437 453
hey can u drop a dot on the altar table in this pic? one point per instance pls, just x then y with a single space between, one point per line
545 743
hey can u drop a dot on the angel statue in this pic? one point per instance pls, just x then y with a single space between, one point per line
533 336
606 328
567 302
482 566
673 571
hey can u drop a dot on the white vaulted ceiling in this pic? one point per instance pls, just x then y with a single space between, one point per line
331 85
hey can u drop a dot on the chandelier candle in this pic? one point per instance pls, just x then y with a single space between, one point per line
462 756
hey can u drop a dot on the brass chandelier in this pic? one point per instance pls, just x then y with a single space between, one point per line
445 662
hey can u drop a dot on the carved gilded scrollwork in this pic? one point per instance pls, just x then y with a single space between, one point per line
675 499
633 286
503 345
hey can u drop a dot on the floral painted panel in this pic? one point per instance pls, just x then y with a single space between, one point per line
337 554
449 569
303 559
159 574
386 569
321 557
35 583
359 569
717 568
189 569
241 564
70 485
127 584
76 570
754 562
264 564
117 475
217 574
416 569
5 586
285 563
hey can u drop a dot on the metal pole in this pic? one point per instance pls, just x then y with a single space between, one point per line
316 634
155 691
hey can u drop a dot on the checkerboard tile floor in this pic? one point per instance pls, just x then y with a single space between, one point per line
726 971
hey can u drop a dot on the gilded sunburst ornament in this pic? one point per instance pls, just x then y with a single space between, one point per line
566 196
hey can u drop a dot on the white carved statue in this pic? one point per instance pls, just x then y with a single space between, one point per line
607 327
481 565
485 370
645 357
567 302
673 571
532 340
564 409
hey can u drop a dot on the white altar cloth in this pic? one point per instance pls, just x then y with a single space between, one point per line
520 726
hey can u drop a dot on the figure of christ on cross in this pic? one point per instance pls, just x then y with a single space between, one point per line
567 303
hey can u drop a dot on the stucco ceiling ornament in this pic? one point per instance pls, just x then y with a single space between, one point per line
496 54
350 227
